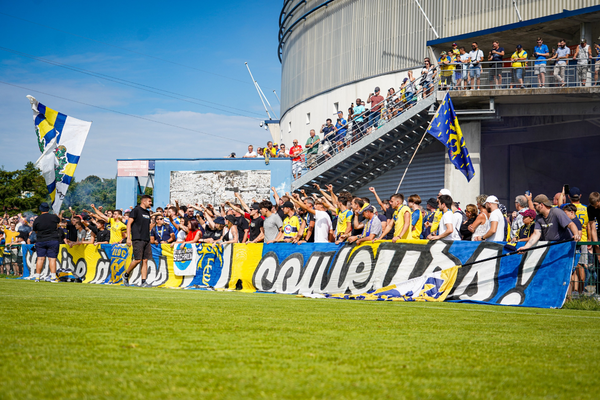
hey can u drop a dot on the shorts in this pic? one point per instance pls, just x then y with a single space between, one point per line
458 75
296 167
47 249
311 160
583 255
474 71
340 137
517 73
582 70
539 69
374 119
141 250
447 79
495 69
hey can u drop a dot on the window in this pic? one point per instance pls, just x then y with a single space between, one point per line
307 118
336 108
290 126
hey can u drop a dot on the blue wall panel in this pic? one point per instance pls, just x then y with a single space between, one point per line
281 175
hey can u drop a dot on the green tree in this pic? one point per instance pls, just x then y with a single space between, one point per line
22 190
91 190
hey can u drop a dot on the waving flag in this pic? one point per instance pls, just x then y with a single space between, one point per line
445 128
61 139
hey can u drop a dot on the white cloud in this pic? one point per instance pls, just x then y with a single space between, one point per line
114 136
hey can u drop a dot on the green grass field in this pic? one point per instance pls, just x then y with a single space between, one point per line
80 341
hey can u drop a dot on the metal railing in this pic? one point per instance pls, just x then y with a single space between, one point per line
526 75
586 271
11 259
360 126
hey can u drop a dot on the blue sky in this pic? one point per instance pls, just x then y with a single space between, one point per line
205 44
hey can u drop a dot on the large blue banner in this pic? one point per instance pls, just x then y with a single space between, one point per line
539 278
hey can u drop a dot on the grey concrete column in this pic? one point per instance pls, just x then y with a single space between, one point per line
463 191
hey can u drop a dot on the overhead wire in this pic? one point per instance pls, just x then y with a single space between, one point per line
124 113
125 49
136 85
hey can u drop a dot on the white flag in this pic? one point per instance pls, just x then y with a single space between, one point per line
60 139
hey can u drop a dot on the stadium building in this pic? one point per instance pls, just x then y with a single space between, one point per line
333 52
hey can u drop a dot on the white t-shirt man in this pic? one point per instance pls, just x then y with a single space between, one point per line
448 218
250 154
322 227
475 56
498 236
464 59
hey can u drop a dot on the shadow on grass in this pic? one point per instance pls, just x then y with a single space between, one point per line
587 303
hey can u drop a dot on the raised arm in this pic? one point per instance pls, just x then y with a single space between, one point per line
275 195
381 204
234 207
333 197
296 200
244 205
99 213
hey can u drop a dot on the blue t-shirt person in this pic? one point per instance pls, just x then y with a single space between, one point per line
537 50
340 125
162 233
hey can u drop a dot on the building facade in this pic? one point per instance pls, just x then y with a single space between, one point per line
333 52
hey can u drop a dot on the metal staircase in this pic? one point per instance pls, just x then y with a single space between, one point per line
375 154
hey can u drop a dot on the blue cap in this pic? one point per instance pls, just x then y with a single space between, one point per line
575 192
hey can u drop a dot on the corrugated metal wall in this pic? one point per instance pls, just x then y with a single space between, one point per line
425 177
355 39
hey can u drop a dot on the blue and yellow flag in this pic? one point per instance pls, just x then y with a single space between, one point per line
60 139
445 128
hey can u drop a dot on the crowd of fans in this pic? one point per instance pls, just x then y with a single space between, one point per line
327 217
362 118
460 69
455 69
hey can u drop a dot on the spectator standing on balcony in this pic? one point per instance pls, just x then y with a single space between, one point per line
427 78
376 102
462 74
410 92
519 61
341 128
271 150
541 53
475 58
561 56
328 131
445 72
296 154
359 118
496 55
251 153
282 152
312 149
455 49
583 55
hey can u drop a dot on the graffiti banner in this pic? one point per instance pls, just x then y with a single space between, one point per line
539 278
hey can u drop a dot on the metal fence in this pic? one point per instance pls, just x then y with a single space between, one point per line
586 270
526 75
11 259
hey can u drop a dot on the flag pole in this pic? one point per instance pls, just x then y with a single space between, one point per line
415 153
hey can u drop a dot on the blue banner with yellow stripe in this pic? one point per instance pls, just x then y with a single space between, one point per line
408 270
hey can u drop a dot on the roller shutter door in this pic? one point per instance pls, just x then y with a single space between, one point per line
425 177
